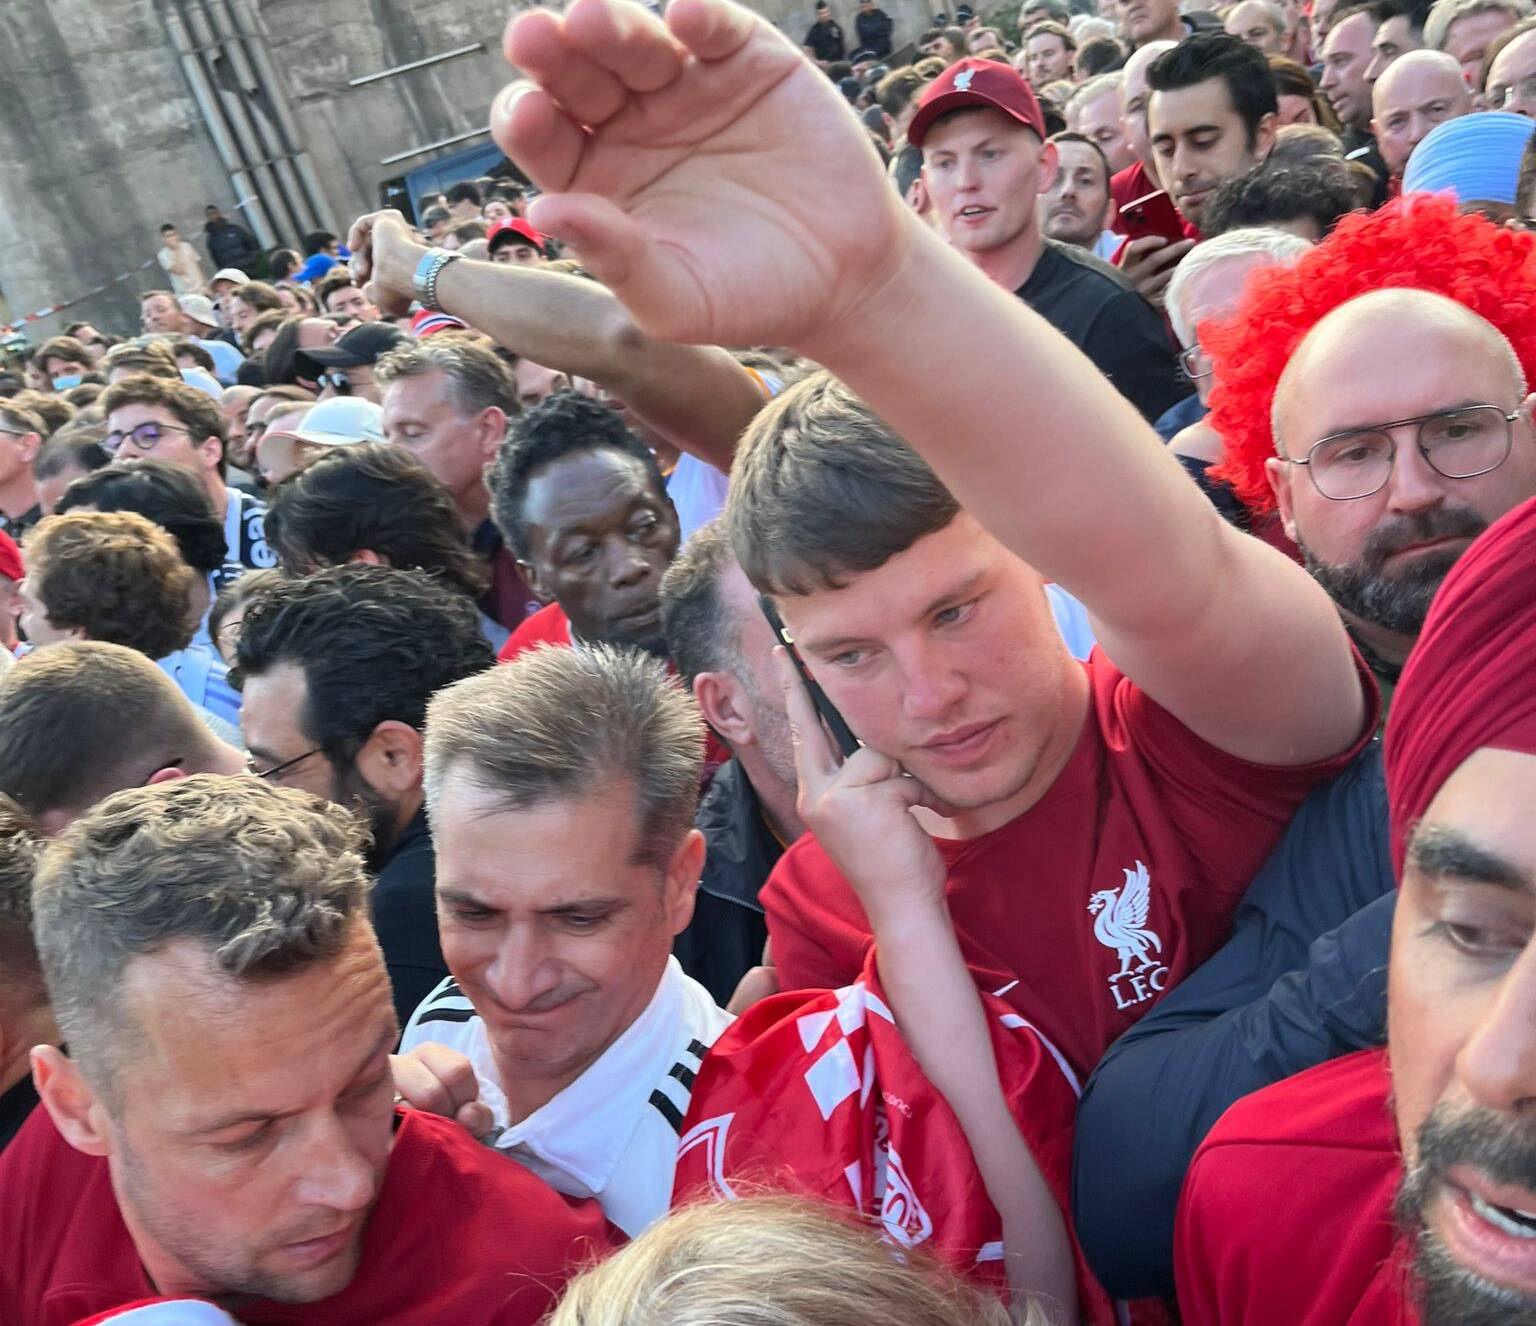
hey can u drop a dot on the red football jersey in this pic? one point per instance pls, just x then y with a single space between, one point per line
549 625
1086 908
1286 1215
459 1234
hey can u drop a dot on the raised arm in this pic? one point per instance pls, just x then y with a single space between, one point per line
696 396
718 184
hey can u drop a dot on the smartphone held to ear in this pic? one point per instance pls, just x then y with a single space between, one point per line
842 734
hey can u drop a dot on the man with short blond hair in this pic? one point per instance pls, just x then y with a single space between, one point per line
21 436
1466 28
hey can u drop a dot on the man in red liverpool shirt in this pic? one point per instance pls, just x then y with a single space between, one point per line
223 1126
1288 1210
1099 822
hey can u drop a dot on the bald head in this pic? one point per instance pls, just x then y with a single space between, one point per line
1133 98
1418 91
1347 371
1258 23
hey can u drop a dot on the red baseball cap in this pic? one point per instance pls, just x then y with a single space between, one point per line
975 82
10 558
519 229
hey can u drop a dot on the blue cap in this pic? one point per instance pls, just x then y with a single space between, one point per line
1474 157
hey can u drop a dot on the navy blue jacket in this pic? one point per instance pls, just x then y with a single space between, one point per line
1301 981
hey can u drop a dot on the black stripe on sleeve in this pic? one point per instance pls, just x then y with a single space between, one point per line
668 1111
697 1050
445 1015
683 1074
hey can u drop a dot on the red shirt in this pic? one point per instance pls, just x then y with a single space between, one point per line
1156 216
460 1235
549 625
1286 1215
1149 835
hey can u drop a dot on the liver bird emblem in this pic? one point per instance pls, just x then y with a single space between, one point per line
1120 921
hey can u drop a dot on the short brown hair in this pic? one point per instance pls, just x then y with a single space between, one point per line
272 319
114 575
898 90
478 377
1048 28
19 416
266 880
53 411
21 979
66 348
822 488
150 357
79 721
338 278
259 295
195 410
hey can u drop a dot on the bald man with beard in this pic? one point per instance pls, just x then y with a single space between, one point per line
1418 91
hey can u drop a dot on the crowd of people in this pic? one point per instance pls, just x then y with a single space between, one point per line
866 692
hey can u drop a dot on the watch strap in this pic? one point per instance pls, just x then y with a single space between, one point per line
424 279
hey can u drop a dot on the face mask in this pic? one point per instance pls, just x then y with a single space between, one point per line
66 380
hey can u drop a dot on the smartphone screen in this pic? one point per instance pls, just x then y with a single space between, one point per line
842 734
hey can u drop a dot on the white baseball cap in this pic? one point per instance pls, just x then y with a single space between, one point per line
339 422
229 274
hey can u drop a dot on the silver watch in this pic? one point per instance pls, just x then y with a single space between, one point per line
424 279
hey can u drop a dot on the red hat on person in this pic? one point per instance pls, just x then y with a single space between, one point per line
1470 682
518 228
426 321
10 558
976 82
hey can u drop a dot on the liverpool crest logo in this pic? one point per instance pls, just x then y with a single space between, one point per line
1120 923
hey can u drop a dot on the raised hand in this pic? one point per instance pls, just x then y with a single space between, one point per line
703 170
385 252
860 810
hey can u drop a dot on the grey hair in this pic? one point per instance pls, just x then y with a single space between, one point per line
1273 14
478 377
1445 13
266 879
557 722
695 618
1280 246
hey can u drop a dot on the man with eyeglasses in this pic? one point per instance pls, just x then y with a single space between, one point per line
335 670
1511 76
1403 429
346 368
168 420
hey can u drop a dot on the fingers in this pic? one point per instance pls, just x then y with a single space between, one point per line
711 29
476 1119
627 40
758 983
607 240
815 760
359 238
533 131
539 44
435 1079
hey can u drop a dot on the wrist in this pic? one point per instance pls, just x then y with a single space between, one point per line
394 268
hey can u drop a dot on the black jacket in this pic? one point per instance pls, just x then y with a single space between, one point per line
404 905
1301 981
726 936
230 245
874 29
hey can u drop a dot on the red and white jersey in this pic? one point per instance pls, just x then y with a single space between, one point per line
1083 910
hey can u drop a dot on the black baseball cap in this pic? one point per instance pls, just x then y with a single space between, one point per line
366 343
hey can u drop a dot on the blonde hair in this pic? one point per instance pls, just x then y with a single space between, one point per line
772 1261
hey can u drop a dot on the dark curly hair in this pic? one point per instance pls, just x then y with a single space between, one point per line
561 425
374 644
374 496
1414 243
170 495
115 576
1321 193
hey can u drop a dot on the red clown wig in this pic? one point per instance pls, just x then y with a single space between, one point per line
1417 243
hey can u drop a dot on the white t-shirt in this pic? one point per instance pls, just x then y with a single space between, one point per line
697 490
612 1134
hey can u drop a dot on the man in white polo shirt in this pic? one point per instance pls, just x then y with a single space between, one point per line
561 791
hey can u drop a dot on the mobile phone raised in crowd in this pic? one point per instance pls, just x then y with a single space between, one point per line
842 734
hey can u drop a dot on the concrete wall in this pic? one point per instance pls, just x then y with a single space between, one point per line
101 140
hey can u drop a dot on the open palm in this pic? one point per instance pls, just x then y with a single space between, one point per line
704 170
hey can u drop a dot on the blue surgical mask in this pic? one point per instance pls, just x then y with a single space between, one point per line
67 380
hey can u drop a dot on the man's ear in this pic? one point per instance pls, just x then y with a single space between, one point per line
391 760
1264 134
69 1100
28 446
682 880
723 702
491 429
212 452
1281 476
169 774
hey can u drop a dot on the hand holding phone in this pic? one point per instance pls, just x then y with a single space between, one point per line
842 734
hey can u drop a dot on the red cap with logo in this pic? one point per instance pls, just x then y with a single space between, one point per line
975 82
518 229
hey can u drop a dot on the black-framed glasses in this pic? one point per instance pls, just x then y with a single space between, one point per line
250 764
1195 363
1456 444
337 381
14 432
146 437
